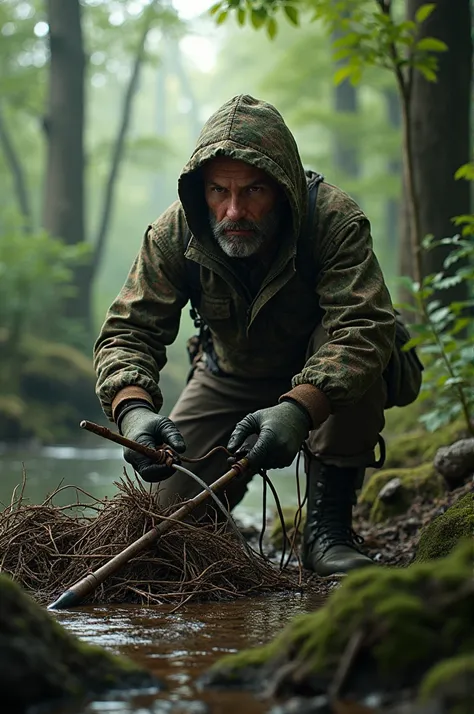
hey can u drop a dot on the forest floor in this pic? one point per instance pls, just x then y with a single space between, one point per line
394 541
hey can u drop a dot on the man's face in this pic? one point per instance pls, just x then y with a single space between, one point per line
242 202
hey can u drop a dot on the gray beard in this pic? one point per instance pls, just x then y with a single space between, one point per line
238 246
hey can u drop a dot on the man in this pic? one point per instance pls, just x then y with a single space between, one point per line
301 321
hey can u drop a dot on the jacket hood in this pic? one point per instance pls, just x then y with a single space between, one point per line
253 131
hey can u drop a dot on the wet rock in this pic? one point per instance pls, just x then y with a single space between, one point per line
440 536
381 631
418 446
455 463
390 492
42 663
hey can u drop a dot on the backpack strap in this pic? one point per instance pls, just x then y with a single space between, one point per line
304 255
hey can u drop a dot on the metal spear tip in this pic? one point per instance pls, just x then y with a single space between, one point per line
66 600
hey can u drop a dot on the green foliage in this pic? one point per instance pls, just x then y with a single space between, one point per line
35 273
258 13
367 32
444 333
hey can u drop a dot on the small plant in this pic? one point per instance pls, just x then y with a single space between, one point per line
444 334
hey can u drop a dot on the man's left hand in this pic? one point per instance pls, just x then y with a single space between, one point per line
281 430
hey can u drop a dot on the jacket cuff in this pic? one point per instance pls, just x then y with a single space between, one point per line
128 393
312 399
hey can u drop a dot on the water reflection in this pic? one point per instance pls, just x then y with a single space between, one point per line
178 647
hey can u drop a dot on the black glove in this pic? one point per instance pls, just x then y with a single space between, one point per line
281 431
144 426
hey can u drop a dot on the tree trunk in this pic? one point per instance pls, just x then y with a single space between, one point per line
440 124
63 215
393 208
345 153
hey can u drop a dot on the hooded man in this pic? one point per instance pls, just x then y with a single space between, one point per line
294 358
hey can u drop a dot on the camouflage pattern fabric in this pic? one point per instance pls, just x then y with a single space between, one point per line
262 335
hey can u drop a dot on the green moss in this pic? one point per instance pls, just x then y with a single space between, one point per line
36 649
409 613
403 420
451 680
421 445
423 480
440 536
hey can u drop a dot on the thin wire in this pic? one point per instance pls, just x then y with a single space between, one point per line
219 505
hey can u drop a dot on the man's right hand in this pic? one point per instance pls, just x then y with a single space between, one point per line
145 427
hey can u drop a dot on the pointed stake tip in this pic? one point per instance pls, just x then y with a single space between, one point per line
66 600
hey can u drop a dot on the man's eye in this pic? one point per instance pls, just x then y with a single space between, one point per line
217 189
255 189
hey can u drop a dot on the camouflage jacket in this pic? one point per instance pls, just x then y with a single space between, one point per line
262 335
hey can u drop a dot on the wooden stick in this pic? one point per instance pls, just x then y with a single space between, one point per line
156 454
75 594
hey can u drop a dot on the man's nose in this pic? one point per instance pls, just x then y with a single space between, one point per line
235 209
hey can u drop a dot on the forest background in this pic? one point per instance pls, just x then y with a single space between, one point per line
82 175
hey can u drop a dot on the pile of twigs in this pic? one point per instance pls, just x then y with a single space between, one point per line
47 548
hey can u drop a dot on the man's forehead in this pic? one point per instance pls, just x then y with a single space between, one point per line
227 168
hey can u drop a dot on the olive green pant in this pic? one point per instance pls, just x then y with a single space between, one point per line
210 407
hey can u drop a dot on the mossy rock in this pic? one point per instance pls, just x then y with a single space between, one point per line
400 622
452 683
420 446
276 531
42 663
439 537
420 481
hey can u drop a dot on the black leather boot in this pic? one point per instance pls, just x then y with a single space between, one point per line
329 543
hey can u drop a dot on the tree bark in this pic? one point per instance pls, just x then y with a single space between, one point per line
63 211
440 128
393 208
345 153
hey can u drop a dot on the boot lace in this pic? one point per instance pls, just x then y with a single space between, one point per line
329 524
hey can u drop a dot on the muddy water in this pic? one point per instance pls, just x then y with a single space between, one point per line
178 647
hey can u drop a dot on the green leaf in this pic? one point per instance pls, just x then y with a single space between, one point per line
258 17
431 44
428 74
292 14
272 28
343 73
222 17
465 172
215 8
241 16
413 342
424 11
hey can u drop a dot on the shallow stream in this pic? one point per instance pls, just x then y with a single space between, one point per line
179 646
